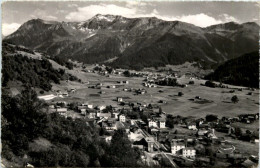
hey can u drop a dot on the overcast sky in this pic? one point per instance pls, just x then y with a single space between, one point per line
198 13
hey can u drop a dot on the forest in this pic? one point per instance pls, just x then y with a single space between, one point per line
31 72
241 71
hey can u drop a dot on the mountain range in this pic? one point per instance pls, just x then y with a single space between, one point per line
137 42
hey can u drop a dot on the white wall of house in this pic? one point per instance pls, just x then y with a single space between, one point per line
152 123
192 127
176 148
162 124
122 118
191 153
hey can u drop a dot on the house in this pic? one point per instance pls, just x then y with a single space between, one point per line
51 106
109 125
150 143
107 138
65 93
122 118
202 132
211 134
92 115
81 107
101 107
161 123
152 123
176 146
72 90
119 99
189 152
104 115
102 92
83 111
192 126
114 115
61 110
90 106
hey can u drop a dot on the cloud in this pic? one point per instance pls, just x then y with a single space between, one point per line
42 14
50 17
84 13
140 9
201 19
227 18
131 4
72 5
9 28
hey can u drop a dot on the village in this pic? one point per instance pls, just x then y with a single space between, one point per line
129 101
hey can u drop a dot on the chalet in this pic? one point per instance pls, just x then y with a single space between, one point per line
51 106
189 152
202 132
83 111
176 146
122 118
112 86
90 106
101 92
72 90
65 93
192 126
152 123
101 107
107 138
126 82
61 103
161 123
104 115
114 115
92 115
211 134
119 99
61 110
109 125
82 107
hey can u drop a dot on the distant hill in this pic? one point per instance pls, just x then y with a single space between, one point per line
138 42
242 71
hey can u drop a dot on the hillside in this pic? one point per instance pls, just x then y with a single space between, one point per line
243 71
51 140
30 68
148 41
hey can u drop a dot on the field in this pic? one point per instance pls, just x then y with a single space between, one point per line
244 147
215 100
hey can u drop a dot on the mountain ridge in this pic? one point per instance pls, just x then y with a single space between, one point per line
137 40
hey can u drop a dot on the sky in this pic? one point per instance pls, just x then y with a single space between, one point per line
202 14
